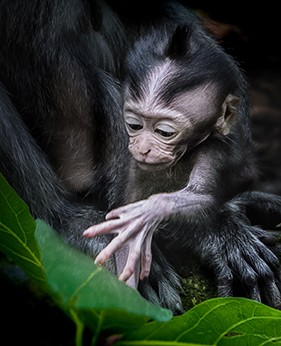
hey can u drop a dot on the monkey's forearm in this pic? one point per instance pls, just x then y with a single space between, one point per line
136 223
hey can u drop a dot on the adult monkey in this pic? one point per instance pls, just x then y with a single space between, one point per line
62 140
60 110
187 116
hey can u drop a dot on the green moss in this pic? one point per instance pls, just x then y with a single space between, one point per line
196 286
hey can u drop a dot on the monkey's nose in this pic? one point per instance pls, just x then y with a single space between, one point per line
145 152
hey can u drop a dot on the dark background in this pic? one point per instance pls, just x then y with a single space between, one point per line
259 26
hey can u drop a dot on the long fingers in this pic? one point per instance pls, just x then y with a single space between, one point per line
109 250
118 242
130 267
146 257
266 266
139 254
115 213
106 227
256 271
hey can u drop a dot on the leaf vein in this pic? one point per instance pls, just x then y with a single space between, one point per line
245 321
27 248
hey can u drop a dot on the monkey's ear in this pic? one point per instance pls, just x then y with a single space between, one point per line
229 114
179 44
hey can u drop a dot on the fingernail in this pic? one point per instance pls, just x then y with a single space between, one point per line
87 233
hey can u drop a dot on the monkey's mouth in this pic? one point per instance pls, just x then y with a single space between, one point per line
153 167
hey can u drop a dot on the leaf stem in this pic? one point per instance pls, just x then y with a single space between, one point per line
98 330
79 328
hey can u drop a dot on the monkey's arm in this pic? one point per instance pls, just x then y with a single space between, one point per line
221 236
136 223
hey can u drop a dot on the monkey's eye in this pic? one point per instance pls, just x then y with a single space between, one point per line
164 133
133 124
134 127
165 130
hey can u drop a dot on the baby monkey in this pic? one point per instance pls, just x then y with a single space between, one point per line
186 113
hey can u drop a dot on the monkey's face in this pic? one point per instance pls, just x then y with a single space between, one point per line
155 142
161 132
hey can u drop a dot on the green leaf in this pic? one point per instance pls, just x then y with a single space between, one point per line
90 294
17 229
218 321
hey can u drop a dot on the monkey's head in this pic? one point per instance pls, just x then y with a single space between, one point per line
177 93
159 135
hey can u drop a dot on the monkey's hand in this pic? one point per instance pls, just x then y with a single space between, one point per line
245 257
134 225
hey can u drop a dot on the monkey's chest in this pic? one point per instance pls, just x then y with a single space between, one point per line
144 184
